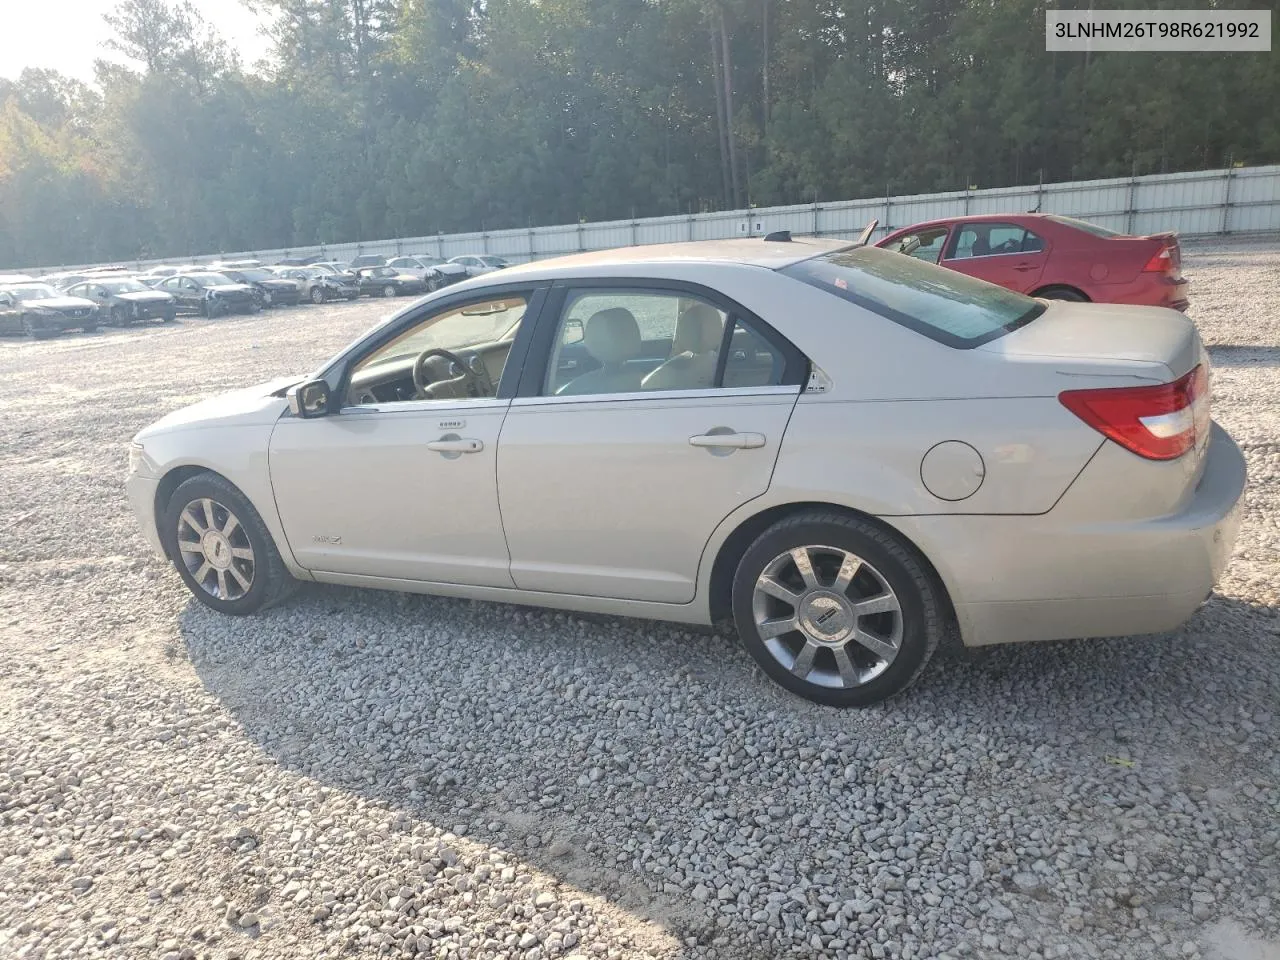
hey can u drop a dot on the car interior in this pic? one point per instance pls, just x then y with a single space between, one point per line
460 353
608 342
628 342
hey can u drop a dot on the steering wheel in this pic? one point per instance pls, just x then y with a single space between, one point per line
469 383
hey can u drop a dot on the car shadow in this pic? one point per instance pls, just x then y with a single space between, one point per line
1243 355
577 741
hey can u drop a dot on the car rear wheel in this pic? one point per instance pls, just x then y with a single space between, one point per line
1062 293
221 548
317 294
836 609
388 291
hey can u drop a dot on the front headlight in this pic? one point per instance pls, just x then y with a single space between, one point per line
136 457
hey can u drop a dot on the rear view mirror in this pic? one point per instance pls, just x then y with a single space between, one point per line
307 400
573 332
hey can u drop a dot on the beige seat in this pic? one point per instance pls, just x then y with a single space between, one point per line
694 351
612 336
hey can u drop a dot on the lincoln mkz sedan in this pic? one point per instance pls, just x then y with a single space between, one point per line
849 452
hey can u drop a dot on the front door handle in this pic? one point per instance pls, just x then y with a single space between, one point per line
734 441
1024 267
456 445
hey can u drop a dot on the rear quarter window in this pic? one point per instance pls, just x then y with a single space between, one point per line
941 304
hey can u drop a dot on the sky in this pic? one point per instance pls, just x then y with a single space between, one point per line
68 35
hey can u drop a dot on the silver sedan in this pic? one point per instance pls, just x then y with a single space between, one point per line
850 453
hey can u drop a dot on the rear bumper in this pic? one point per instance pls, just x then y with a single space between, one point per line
1053 576
1148 290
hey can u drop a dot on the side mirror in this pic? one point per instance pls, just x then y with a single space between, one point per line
573 332
310 399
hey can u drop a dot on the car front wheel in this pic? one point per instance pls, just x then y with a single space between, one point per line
221 548
388 291
836 609
317 295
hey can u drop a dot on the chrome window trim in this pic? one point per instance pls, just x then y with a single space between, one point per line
423 406
711 393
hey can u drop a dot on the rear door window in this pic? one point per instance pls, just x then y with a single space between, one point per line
942 304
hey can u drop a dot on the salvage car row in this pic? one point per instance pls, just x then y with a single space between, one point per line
49 305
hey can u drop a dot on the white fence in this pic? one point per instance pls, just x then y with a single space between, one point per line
1205 203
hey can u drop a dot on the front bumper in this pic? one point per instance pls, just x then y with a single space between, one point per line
1056 576
141 492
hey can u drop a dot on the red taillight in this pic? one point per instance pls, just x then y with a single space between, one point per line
1160 423
1165 260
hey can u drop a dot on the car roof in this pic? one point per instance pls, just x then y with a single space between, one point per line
981 218
755 252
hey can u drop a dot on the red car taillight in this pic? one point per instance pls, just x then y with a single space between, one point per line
1160 423
1166 260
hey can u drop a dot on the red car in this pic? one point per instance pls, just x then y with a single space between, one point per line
1054 257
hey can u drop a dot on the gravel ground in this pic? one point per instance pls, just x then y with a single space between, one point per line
366 774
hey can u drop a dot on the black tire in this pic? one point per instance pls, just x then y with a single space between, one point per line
90 328
433 284
918 595
1062 293
270 581
30 330
389 291
168 317
118 318
318 295
255 308
210 309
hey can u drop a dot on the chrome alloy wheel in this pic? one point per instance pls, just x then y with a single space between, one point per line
828 616
215 549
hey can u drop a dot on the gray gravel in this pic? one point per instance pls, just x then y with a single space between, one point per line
370 774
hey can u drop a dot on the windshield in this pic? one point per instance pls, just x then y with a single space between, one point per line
121 286
1085 225
255 274
493 261
33 291
943 305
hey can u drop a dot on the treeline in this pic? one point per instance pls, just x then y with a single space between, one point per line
378 118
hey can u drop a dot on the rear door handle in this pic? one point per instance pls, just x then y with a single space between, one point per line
460 445
736 441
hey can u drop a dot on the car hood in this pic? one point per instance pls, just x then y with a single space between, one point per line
61 303
449 267
231 288
257 405
144 296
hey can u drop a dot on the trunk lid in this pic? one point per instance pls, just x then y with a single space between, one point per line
1107 340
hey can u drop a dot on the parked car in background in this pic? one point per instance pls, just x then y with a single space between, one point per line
1059 258
335 267
38 310
298 261
850 452
425 266
271 289
388 282
367 260
478 264
166 270
123 300
319 286
15 278
223 265
209 294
